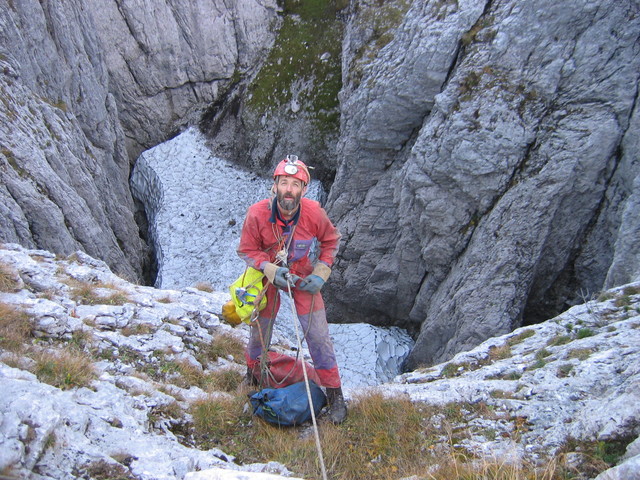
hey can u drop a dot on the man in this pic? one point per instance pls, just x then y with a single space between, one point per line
277 238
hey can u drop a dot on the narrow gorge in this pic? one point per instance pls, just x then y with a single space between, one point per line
483 173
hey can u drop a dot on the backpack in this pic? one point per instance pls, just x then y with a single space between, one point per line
284 370
288 406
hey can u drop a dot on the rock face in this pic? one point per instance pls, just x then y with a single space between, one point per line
488 170
558 375
84 90
290 105
168 63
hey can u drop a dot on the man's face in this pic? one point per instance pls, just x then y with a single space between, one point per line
289 191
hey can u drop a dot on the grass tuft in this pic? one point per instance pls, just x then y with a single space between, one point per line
521 337
16 328
64 369
9 279
204 287
222 346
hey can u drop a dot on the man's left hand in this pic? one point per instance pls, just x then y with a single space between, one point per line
311 284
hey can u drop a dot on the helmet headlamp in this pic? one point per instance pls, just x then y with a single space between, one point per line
290 169
293 167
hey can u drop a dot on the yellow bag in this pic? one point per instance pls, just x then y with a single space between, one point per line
247 293
230 315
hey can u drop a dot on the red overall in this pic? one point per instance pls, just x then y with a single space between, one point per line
262 237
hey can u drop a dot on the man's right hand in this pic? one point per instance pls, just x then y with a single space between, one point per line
279 276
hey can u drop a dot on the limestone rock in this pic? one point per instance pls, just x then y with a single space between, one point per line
520 396
86 89
486 172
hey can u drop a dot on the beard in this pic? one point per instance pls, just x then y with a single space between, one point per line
288 201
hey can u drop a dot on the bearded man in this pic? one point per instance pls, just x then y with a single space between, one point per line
280 237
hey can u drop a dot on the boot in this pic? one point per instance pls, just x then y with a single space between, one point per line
337 407
249 379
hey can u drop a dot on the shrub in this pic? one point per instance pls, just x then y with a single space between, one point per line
453 369
584 333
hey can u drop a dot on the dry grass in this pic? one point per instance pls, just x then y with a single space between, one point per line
97 294
225 379
224 345
16 328
499 352
184 374
138 329
580 353
103 470
382 439
204 287
64 369
9 279
522 336
220 421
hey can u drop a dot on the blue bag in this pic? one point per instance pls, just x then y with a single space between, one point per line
288 406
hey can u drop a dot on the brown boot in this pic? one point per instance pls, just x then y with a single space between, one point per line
336 405
249 379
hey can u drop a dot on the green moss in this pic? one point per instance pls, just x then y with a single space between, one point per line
475 35
11 159
306 59
585 332
380 19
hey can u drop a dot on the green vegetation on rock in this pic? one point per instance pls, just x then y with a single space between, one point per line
304 64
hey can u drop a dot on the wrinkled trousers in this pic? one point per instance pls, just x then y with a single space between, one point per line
314 325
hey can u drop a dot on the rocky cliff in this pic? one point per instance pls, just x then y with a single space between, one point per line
85 88
487 162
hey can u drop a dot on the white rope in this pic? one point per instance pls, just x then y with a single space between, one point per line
306 380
